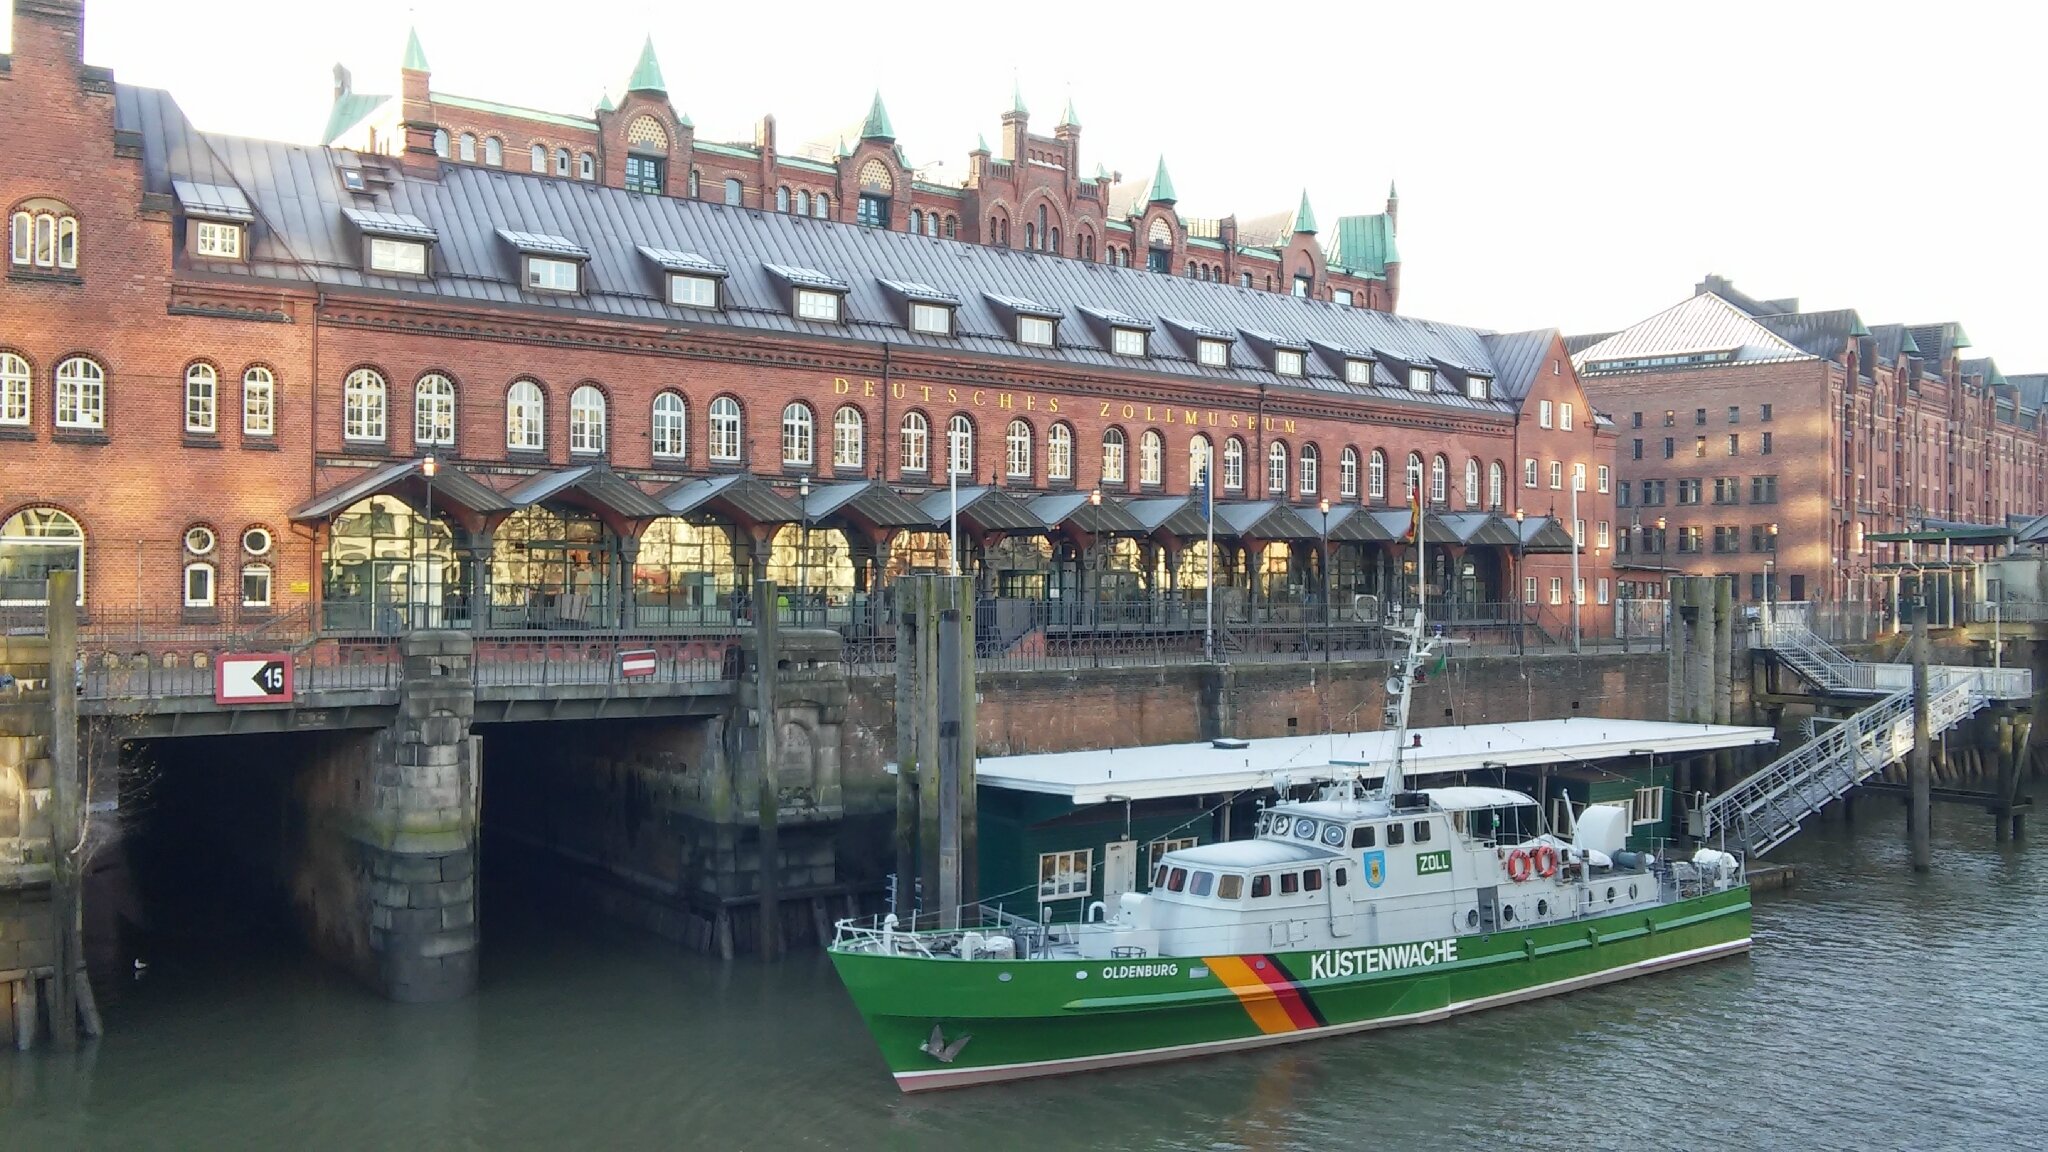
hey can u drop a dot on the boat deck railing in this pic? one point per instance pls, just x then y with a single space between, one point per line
933 935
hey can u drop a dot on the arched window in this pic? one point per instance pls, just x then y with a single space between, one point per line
1233 464
44 235
1059 453
1472 483
1376 475
1276 469
561 161
803 203
468 148
1052 241
821 206
1413 477
646 134
362 405
525 417
782 199
931 224
586 166
917 443
849 438
17 388
960 438
586 420
1043 232
691 184
1496 475
259 402
433 410
916 221
797 434
1311 469
1113 456
540 158
1017 451
441 143
671 426
35 542
199 584
1151 457
1030 236
202 399
1439 476
725 429
1198 461
952 227
1347 474
735 190
494 151
256 585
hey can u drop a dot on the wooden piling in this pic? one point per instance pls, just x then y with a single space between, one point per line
67 826
1920 801
907 758
768 657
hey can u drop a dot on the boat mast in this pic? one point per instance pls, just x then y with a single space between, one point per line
1398 696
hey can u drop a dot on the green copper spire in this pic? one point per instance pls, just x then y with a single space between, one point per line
1304 216
1996 379
646 75
1392 192
1101 173
980 142
1017 99
844 151
1962 339
1860 330
877 126
1162 185
1907 345
1068 118
415 56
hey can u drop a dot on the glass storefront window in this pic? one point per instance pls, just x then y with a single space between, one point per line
386 570
554 569
686 573
35 542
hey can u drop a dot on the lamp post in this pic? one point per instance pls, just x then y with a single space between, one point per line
428 468
1090 596
1578 543
803 553
1521 600
1324 570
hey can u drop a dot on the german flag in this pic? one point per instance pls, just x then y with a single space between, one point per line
1273 1000
1414 513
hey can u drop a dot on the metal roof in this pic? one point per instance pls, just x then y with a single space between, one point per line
543 244
1264 520
1117 319
988 509
1352 524
877 504
297 191
450 485
673 261
1702 325
212 201
596 484
921 293
1476 527
1518 359
1076 510
373 223
799 277
740 497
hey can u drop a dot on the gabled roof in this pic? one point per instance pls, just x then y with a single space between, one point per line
739 497
349 110
863 500
1518 359
452 486
1822 334
212 201
1173 515
1363 244
373 223
596 484
1077 511
1263 520
988 509
1702 329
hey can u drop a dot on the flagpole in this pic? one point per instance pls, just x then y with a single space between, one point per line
1209 563
953 487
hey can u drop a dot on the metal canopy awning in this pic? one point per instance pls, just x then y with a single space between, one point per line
866 502
987 509
1476 528
1265 520
1396 520
451 486
595 484
1351 524
1545 535
1171 515
1074 510
739 498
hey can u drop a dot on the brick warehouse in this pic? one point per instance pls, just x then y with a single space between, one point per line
1769 443
242 380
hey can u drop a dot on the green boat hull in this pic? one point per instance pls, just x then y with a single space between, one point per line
1026 1018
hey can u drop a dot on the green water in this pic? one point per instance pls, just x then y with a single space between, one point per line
1879 1010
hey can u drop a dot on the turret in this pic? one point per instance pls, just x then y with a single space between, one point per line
1162 186
1016 127
416 105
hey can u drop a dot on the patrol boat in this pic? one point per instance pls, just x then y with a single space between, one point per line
1348 912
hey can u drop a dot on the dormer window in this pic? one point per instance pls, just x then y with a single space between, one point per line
1287 362
814 304
1212 353
931 319
1358 371
1034 330
399 257
549 274
1478 388
693 291
1127 342
1419 380
217 239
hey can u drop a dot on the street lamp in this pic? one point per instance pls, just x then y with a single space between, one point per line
803 555
1324 506
428 468
1521 601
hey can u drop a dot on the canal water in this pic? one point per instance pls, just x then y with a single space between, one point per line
1879 1010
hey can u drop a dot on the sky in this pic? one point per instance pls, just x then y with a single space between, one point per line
1570 165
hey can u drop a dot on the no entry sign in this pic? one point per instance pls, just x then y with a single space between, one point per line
635 663
252 678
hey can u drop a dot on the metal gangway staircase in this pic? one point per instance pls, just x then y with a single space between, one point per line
1766 809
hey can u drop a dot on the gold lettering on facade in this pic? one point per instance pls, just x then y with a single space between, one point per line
896 389
1052 403
841 385
867 388
952 395
1031 402
1003 401
1130 411
979 395
1187 416
927 390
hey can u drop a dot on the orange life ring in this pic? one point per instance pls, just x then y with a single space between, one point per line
1518 865
1546 861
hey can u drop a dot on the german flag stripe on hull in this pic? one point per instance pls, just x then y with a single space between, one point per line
1273 1000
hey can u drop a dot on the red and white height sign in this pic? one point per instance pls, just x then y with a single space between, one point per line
636 663
252 677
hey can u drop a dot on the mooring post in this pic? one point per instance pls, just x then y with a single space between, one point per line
965 695
1920 801
956 647
929 629
907 757
767 658
66 807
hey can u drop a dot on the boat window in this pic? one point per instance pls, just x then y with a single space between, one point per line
1396 834
1422 831
1229 887
1362 836
1312 880
1203 884
1176 880
1341 878
1262 886
1304 828
1457 821
1290 883
1159 877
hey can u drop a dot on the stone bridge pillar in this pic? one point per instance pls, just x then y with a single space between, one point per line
27 937
387 878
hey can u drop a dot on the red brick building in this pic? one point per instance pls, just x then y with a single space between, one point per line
1767 443
244 379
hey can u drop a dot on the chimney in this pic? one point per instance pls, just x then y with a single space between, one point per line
49 31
